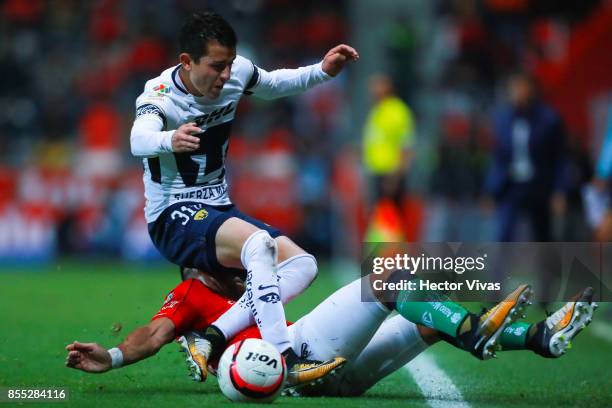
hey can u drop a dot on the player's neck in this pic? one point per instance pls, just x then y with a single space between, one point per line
188 85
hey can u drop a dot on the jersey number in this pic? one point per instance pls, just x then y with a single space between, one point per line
211 154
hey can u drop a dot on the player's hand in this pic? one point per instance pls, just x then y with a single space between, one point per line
336 58
89 357
183 140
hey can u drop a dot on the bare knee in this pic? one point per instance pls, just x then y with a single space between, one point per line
230 240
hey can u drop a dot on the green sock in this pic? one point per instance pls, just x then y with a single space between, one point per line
431 309
515 336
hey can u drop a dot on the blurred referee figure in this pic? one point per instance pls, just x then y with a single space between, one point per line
528 171
387 152
182 129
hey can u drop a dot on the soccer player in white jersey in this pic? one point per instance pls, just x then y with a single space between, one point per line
182 129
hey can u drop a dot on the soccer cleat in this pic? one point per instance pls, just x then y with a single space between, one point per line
493 322
197 350
308 371
555 334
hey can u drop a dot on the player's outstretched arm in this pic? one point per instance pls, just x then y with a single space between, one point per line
139 344
285 82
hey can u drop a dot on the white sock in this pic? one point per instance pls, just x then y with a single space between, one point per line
294 275
259 257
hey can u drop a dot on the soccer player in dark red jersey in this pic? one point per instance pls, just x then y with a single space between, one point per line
374 344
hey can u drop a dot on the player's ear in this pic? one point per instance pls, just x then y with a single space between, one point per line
185 60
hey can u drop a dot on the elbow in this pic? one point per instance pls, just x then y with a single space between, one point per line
134 146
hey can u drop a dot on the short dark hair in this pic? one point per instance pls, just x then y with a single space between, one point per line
200 28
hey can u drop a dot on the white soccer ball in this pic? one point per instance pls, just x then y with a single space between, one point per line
251 370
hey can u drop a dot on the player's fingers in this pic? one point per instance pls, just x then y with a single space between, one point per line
87 347
189 145
191 128
186 137
346 50
72 360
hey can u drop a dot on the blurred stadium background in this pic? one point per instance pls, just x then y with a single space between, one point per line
70 72
71 193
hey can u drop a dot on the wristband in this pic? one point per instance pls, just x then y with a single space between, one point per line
116 357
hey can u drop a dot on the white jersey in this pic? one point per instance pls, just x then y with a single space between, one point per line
166 104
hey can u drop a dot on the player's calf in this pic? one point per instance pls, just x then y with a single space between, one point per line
476 334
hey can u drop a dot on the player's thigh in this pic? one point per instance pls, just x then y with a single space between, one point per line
287 248
233 234
341 325
235 231
230 239
185 234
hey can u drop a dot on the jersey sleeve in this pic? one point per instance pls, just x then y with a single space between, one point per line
284 82
178 308
149 136
156 101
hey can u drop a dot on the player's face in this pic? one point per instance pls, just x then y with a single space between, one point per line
212 71
521 92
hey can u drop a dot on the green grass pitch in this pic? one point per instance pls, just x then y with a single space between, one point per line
44 308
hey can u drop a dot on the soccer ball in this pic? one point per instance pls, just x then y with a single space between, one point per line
251 370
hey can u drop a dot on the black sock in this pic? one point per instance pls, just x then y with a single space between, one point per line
464 338
290 357
217 342
536 340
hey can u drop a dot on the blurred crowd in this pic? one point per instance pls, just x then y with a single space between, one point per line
71 70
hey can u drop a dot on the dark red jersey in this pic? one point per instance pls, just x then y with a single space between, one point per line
193 306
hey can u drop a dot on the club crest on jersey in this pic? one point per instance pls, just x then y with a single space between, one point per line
162 89
214 115
200 215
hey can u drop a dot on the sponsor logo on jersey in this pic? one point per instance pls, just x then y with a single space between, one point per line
169 297
214 115
204 193
200 215
169 305
162 89
427 319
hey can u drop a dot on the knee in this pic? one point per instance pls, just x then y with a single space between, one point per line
258 245
306 264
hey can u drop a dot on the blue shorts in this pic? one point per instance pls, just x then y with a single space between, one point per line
185 233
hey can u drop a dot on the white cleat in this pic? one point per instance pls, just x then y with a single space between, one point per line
197 350
563 326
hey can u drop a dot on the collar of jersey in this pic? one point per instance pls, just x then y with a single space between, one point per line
178 83
177 80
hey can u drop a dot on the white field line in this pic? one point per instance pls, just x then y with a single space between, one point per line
601 330
437 388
